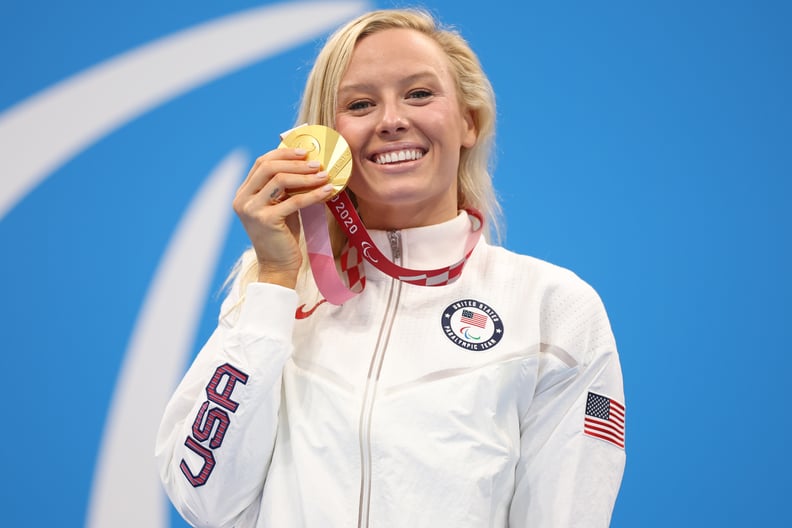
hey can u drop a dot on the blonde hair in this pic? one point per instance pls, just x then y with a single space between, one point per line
473 87
319 102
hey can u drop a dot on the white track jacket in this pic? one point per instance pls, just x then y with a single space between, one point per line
495 401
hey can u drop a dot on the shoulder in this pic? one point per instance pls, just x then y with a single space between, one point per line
541 274
571 313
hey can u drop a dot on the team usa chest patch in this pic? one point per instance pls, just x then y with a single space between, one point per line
472 325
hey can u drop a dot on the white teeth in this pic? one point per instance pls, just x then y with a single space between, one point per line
401 155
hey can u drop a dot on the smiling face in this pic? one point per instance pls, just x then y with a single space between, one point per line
399 111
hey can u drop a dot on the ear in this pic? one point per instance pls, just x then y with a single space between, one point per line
470 131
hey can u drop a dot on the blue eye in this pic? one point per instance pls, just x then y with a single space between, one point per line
358 105
419 94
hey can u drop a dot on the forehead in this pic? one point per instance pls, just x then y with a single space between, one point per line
394 53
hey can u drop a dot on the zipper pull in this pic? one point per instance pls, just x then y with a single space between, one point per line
394 237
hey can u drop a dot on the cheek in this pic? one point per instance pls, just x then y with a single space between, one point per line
348 132
344 127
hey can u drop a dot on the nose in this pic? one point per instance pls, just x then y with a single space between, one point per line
393 120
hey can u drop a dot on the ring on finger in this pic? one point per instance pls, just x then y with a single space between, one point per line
276 196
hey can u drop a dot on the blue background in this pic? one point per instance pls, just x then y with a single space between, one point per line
645 145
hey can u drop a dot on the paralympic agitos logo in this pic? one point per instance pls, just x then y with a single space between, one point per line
66 120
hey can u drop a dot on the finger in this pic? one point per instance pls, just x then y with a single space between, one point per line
295 202
280 188
292 183
278 154
290 175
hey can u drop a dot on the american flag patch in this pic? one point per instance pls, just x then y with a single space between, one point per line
604 419
474 318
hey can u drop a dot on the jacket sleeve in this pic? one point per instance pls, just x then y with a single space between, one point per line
572 433
216 437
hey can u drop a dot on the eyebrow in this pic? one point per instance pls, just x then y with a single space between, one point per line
366 86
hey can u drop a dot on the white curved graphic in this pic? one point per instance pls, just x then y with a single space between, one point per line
366 249
126 488
43 132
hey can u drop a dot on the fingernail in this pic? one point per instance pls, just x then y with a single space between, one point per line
321 175
300 152
314 164
327 188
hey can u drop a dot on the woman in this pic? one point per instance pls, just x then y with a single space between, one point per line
493 400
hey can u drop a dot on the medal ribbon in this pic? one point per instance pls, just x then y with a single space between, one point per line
320 255
362 247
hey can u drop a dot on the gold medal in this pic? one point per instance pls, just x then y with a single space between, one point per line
326 146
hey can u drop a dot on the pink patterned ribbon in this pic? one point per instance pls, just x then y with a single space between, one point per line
320 252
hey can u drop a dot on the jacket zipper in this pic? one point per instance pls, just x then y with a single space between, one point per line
370 392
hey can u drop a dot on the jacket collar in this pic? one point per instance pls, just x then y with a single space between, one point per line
424 248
